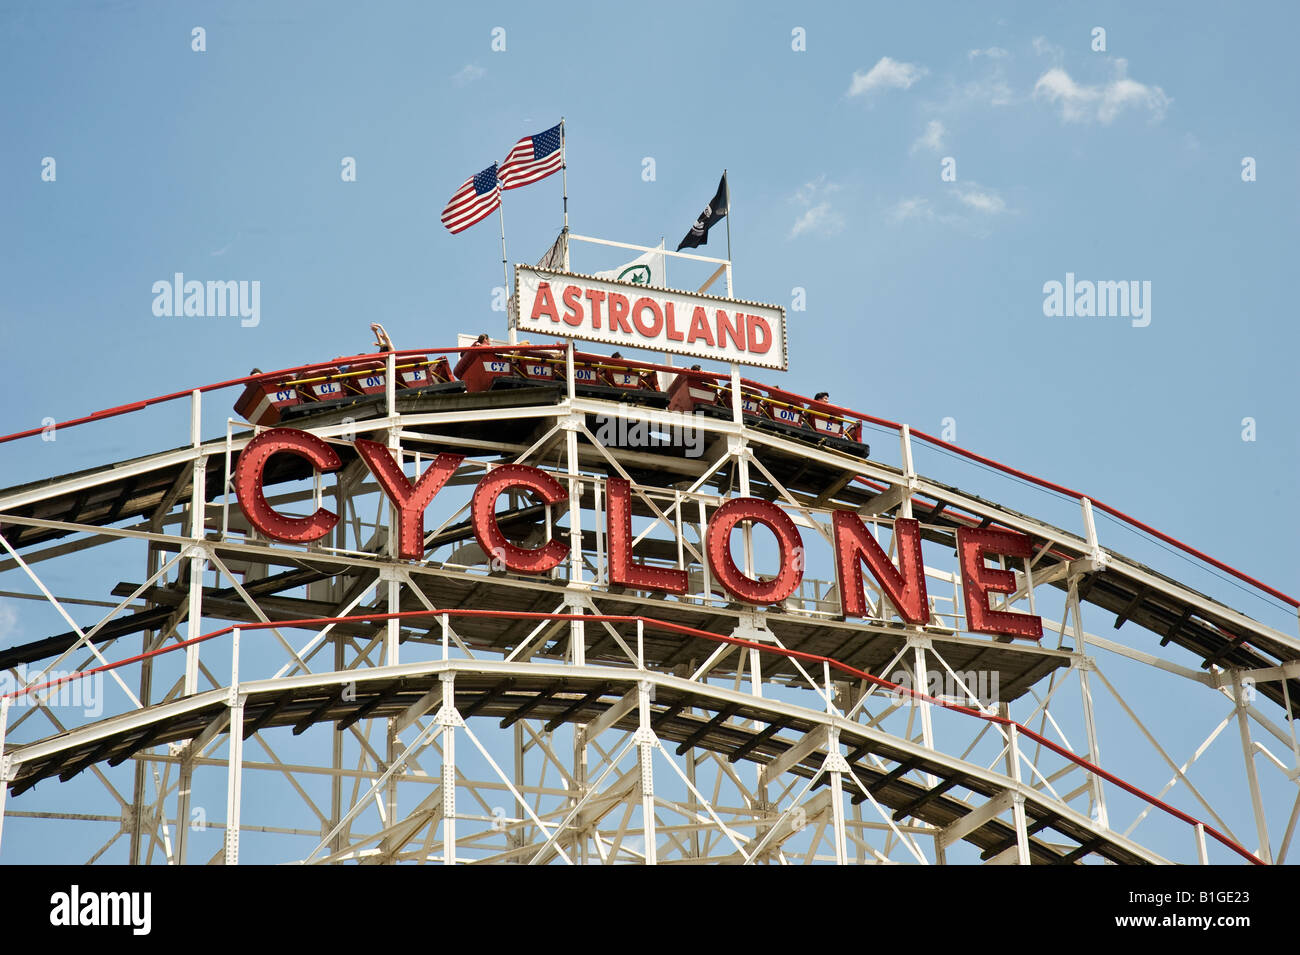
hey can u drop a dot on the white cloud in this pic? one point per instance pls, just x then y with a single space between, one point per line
993 53
886 74
820 218
1043 47
468 74
993 90
976 197
820 215
915 207
1103 102
973 204
986 86
932 138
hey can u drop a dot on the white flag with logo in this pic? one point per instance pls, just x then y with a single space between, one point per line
646 270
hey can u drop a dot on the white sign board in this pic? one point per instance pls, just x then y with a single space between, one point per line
640 316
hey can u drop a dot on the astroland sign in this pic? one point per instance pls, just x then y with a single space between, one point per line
637 316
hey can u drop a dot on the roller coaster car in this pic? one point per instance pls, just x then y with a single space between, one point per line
775 411
616 380
691 393
594 376
270 401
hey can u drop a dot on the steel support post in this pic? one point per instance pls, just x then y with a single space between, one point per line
449 719
740 449
235 765
389 573
4 762
194 621
1085 664
517 747
836 765
1252 776
909 472
921 668
336 761
692 802
575 502
392 751
135 849
645 737
1018 798
579 790
184 792
198 510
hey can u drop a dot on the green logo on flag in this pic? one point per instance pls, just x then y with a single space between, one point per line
636 274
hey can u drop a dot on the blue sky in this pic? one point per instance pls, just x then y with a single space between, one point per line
924 297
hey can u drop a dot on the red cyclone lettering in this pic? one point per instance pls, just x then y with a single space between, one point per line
978 581
623 570
905 585
524 560
249 473
717 541
411 500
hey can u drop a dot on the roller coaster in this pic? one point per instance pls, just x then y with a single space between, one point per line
341 697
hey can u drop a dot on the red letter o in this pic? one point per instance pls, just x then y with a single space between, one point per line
717 540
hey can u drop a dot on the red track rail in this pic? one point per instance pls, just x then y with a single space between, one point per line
836 409
690 631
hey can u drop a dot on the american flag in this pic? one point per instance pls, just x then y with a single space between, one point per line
475 200
534 157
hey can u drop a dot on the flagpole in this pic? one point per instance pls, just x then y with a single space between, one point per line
505 274
668 358
727 182
564 175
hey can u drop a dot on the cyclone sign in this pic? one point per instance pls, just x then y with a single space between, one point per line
854 545
639 316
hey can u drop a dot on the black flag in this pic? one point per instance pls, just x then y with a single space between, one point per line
718 207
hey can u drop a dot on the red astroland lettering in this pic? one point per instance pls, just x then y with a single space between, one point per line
618 307
699 327
759 343
647 328
544 304
573 302
670 321
595 296
728 327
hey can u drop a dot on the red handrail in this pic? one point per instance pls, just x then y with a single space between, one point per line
1086 765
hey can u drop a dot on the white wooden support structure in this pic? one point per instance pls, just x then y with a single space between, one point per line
235 764
646 745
